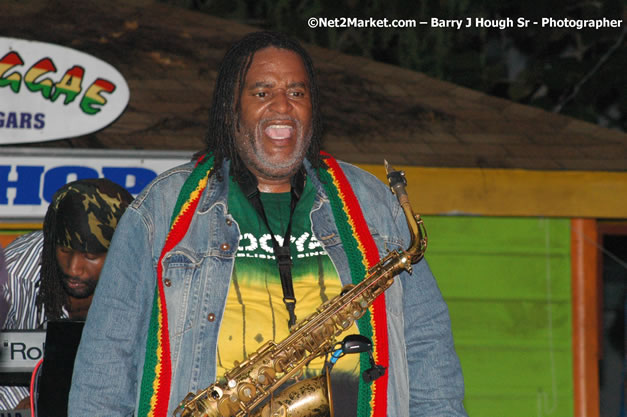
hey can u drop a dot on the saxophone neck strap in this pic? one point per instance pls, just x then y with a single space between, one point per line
249 186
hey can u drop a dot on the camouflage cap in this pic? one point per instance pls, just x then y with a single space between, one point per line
84 214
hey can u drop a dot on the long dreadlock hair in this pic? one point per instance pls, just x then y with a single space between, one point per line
83 216
226 107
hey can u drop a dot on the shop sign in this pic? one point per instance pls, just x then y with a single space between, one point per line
50 92
27 184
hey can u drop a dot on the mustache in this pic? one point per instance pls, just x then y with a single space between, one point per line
263 122
266 120
278 118
71 278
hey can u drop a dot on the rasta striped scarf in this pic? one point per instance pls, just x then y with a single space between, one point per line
361 252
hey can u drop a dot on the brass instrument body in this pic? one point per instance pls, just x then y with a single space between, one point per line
251 383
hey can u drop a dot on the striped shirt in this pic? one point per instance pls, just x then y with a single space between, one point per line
23 260
4 306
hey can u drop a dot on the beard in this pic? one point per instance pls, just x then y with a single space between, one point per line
251 150
86 289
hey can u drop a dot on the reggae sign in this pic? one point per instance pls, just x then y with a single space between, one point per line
50 92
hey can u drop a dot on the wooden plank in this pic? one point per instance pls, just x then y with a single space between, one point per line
511 324
514 192
585 317
507 282
499 258
524 382
9 231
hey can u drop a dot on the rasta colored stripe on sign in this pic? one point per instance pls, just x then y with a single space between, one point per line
362 254
157 376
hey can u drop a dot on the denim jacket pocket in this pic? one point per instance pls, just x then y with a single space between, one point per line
182 292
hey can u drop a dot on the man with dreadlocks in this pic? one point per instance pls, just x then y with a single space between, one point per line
217 257
53 272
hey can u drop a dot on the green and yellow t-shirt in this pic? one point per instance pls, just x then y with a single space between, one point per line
255 312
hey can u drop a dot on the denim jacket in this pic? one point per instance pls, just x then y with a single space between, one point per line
425 376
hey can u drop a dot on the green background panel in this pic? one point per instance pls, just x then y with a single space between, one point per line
528 324
507 282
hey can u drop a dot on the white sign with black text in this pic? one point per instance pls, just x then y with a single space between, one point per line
28 182
50 92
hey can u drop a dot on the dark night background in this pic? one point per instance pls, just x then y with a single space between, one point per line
579 73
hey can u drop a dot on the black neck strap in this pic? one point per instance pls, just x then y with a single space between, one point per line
281 252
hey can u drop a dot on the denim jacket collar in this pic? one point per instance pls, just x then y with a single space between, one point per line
217 191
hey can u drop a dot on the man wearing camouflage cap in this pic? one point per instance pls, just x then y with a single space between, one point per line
53 273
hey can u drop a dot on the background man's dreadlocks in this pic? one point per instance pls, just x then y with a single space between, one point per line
225 109
82 216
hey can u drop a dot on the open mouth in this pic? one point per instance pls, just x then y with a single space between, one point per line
279 131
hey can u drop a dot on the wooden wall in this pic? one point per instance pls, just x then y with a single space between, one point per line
507 282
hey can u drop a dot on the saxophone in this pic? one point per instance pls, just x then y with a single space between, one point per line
249 387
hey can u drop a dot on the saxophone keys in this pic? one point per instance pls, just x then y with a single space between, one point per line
266 375
347 323
216 393
281 364
226 407
357 314
246 391
281 412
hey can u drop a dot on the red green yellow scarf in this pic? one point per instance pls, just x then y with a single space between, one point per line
362 254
